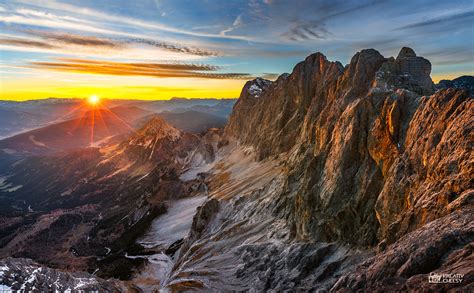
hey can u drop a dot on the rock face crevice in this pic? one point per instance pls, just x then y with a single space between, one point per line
373 158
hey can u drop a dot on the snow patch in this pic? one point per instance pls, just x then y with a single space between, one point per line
5 289
9 151
173 225
36 142
255 90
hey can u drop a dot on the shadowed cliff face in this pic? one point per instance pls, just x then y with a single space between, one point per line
370 158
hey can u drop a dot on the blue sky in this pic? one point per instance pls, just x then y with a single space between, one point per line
220 44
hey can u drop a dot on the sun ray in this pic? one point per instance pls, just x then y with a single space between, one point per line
119 119
74 109
92 124
99 115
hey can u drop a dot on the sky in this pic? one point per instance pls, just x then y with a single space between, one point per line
159 49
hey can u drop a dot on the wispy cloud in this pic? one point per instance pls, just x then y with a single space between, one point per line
74 39
270 76
450 20
69 8
450 56
306 30
236 24
50 20
57 40
174 47
25 43
138 69
314 27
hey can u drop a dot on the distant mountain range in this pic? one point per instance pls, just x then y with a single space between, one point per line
89 130
18 117
192 121
463 82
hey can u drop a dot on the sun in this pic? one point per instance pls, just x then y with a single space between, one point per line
93 100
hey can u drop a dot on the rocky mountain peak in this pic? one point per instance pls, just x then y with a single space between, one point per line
158 128
349 131
407 71
360 72
154 141
255 88
406 52
463 82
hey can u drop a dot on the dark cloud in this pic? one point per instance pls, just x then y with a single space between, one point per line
314 28
57 38
174 47
306 30
74 39
25 43
138 69
159 89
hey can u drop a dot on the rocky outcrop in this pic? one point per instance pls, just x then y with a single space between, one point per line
465 82
372 158
375 191
373 163
431 177
407 71
444 246
27 276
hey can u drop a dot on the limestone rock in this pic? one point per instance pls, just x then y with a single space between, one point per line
442 247
407 71
369 162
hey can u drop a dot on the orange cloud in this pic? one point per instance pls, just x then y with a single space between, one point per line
139 69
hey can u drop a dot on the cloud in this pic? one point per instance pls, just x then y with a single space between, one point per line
64 7
174 47
236 24
451 55
445 22
270 76
183 70
50 20
25 43
57 40
74 39
310 23
306 30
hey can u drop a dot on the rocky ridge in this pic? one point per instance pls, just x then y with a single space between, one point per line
369 158
463 82
339 178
